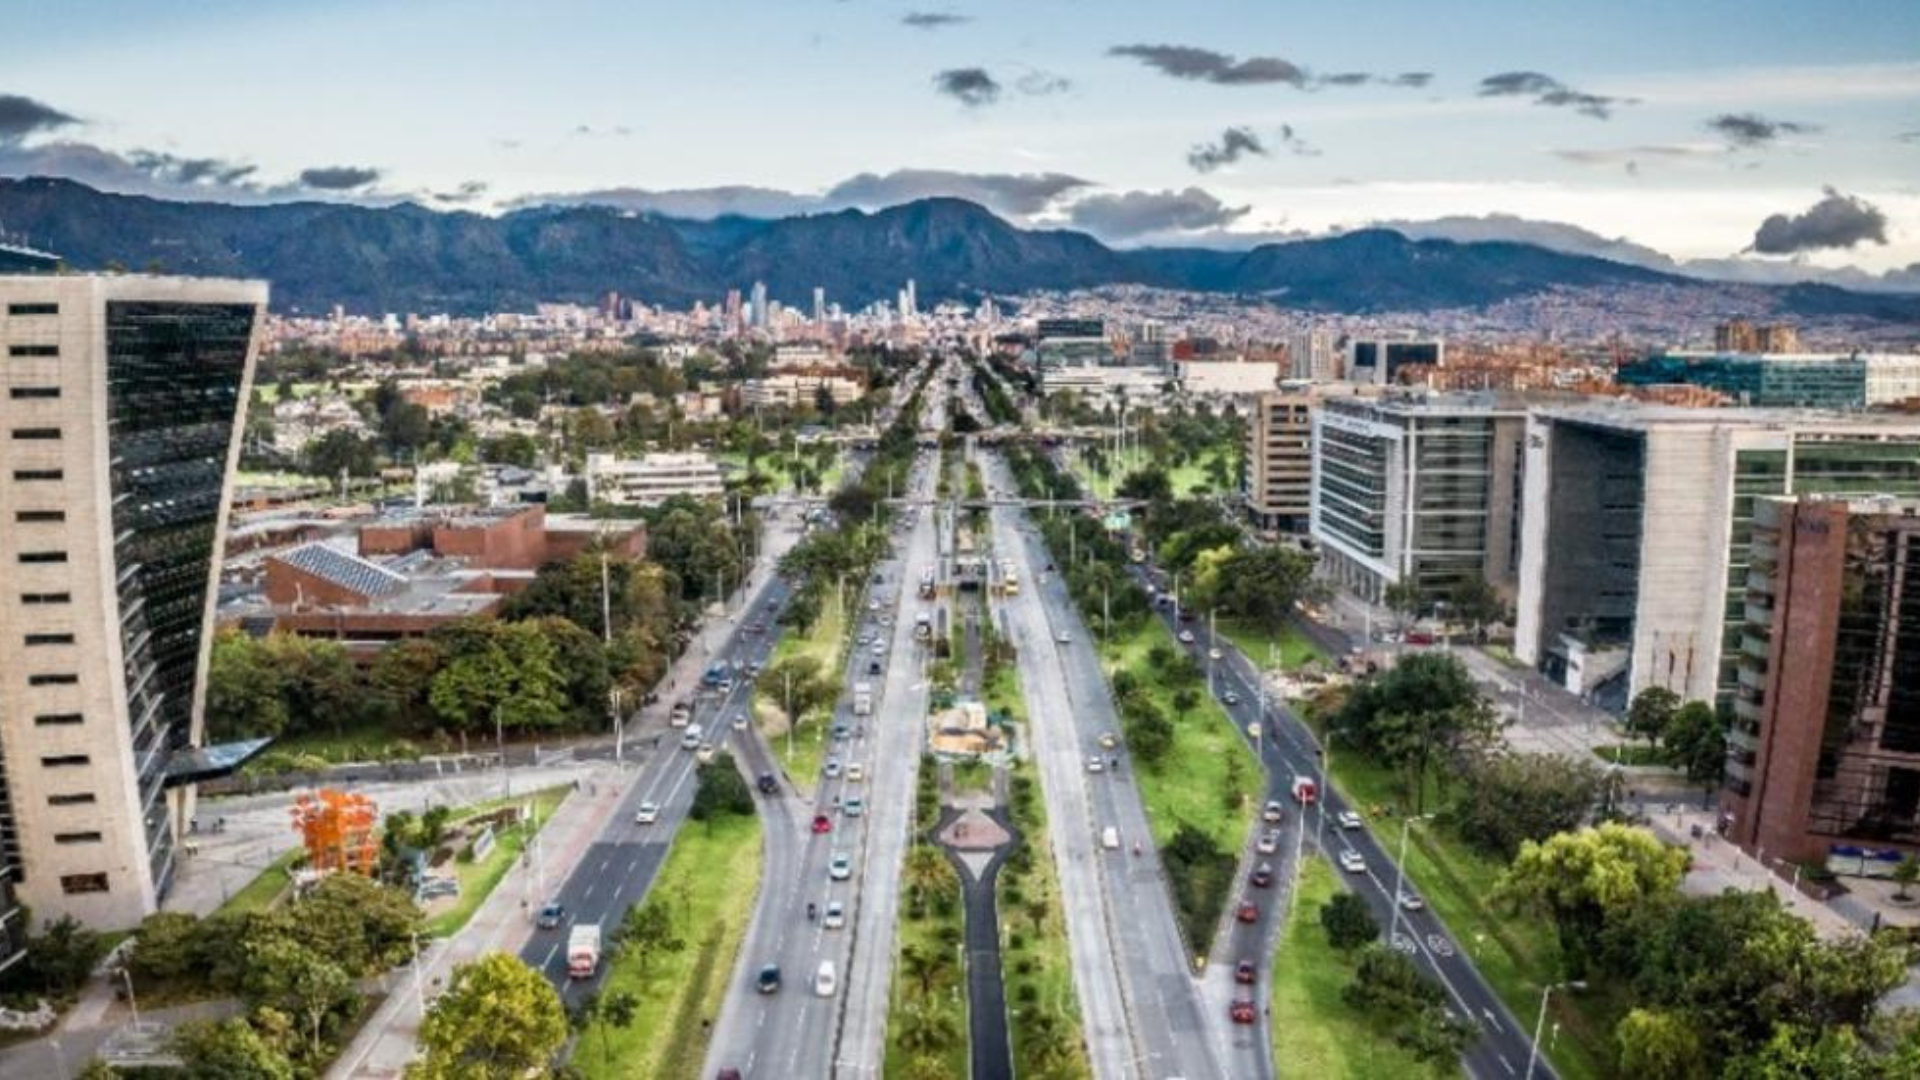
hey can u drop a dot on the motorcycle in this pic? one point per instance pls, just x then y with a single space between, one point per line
812 912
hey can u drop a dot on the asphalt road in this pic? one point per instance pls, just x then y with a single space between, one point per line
796 1032
1169 1036
1288 749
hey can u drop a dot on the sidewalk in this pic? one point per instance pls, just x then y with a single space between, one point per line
1719 865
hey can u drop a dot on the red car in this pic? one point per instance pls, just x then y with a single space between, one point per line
1242 1011
822 823
1247 912
1243 973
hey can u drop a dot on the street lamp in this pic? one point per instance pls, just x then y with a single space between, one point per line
1400 870
1539 1025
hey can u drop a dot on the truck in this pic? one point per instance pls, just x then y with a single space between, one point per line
926 584
862 699
682 714
583 951
1305 791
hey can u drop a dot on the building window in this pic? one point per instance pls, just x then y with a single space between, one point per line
49 639
33 309
36 434
53 680
57 719
28 516
64 761
89 837
83 883
78 798
46 598
27 393
33 350
38 474
43 556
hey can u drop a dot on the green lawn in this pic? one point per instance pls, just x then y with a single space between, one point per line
825 642
265 890
1314 1032
370 743
1191 785
1516 956
1290 647
1188 478
709 882
1039 973
778 469
479 878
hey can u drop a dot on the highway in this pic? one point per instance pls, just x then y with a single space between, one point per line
796 1032
1168 1035
1289 749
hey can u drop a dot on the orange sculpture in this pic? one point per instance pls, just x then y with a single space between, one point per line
337 828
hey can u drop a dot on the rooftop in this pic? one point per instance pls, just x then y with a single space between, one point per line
1630 415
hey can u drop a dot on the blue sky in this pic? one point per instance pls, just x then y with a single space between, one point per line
796 96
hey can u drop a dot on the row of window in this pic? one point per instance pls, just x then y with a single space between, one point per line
27 393
33 308
36 434
25 351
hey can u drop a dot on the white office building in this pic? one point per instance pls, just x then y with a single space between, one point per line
652 479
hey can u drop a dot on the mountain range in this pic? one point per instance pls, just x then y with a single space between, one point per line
406 258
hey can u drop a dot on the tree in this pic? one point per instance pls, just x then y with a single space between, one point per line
719 790
498 1020
1474 602
1149 735
1507 798
923 967
229 1049
1422 682
1583 879
1905 873
611 1012
340 451
1266 582
1655 1042
288 976
926 870
1150 485
246 691
648 931
1413 742
1348 922
62 955
402 674
1650 712
1405 600
165 948
359 924
1695 739
1387 984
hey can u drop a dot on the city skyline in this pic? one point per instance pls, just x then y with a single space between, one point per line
1682 131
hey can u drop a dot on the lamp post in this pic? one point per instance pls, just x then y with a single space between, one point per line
1400 871
500 747
1539 1025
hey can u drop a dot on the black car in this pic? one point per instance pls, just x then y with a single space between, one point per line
768 981
768 785
873 668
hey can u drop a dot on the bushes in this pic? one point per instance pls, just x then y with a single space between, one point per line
1348 922
1200 876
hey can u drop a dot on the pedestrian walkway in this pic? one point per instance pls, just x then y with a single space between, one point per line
1718 865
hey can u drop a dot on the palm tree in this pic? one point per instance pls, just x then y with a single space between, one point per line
925 871
923 967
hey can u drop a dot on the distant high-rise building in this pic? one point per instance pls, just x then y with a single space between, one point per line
819 304
1071 343
733 308
1380 360
913 300
1314 354
1745 336
122 427
760 305
1279 481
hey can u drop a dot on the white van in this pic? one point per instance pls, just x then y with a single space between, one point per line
824 982
1110 838
691 740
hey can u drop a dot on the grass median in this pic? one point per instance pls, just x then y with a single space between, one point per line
708 884
1516 956
1314 1031
1287 651
1035 963
480 877
927 1019
825 642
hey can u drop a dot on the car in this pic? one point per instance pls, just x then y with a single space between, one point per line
1274 813
873 605
822 823
853 807
1410 902
647 813
768 981
704 754
552 916
879 648
842 730
840 866
1268 843
1108 740
824 981
856 772
1242 1011
767 784
1064 637
873 667
836 916
1230 698
1349 820
1244 973
1096 763
1262 875
1213 653
1248 911
728 1073
864 639
832 769
1186 637
739 721
1352 863
1186 615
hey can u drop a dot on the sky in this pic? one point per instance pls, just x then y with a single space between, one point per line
1754 136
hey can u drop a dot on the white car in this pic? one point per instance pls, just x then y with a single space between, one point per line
1349 820
1213 654
879 648
840 867
833 768
1273 813
856 772
1268 843
648 813
1096 764
1186 637
1064 637
1410 902
836 915
739 721
824 982
1352 863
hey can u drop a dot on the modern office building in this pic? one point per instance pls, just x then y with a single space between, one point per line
1071 343
1823 762
652 479
1743 336
1636 528
1421 488
1380 360
1279 481
121 430
1315 355
1786 380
